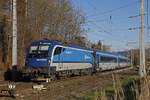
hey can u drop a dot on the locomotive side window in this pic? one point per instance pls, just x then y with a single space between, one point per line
57 50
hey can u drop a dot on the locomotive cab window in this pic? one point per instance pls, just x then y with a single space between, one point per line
38 51
43 50
33 49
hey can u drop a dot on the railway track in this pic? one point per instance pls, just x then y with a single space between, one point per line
30 84
66 78
75 87
78 84
116 71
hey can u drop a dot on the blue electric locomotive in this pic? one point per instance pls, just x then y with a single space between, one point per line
47 58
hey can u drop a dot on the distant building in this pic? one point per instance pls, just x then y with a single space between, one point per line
106 48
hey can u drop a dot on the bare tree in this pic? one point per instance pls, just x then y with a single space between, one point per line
37 19
4 34
56 17
53 19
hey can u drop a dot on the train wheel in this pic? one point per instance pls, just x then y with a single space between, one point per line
53 77
48 80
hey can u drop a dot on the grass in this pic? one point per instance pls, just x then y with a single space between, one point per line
95 95
130 88
130 79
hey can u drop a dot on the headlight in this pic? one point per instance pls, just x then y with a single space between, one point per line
11 86
49 62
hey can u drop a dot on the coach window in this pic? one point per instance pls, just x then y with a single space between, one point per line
104 59
108 59
114 59
123 60
57 50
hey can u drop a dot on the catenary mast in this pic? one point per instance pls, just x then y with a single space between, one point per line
142 42
14 33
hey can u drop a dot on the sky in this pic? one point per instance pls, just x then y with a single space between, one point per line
108 21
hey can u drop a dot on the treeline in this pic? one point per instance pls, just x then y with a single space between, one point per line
38 19
136 57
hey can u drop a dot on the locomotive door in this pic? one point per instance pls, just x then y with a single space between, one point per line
58 56
59 61
61 58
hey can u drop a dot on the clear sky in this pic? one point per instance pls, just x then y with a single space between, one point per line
108 20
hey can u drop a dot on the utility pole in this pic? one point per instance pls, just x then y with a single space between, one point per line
26 3
148 34
14 34
142 70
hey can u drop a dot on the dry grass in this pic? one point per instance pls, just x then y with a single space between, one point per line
140 91
118 91
145 89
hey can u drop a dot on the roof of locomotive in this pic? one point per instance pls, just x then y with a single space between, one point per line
56 42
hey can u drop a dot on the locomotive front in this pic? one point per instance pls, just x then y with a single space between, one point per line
38 58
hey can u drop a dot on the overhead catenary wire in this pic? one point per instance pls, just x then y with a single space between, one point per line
98 33
110 35
112 10
107 19
135 16
103 20
101 29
